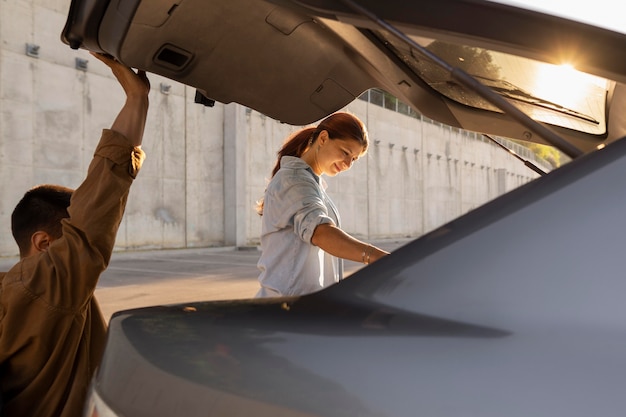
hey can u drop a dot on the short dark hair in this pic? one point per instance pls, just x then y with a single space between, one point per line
41 209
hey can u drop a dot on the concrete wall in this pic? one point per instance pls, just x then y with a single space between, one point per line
207 167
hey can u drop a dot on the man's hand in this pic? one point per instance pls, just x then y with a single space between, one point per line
131 119
132 83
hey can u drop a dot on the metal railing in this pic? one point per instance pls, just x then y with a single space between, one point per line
383 99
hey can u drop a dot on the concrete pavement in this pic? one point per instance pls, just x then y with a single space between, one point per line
146 278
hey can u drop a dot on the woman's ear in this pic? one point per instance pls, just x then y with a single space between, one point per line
322 137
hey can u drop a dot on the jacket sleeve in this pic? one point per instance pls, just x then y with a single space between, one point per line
76 260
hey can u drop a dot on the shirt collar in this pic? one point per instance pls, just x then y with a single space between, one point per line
294 162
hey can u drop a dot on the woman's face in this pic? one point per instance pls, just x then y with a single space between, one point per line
337 155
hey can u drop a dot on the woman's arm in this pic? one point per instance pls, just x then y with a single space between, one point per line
340 244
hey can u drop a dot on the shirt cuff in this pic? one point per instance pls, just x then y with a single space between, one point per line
115 147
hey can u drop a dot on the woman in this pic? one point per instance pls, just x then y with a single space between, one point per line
301 236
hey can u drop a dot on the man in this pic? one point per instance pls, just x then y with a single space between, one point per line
52 332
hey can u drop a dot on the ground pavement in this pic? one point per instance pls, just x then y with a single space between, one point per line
145 278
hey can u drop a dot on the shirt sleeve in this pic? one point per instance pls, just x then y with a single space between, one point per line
297 202
312 213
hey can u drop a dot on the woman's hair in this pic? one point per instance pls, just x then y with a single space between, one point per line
340 125
41 209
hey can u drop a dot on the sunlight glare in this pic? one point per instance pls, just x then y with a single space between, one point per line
563 84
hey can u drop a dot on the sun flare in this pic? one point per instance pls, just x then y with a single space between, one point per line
561 84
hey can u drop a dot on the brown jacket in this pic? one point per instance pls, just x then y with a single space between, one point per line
52 332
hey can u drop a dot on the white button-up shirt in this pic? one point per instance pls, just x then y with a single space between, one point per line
295 203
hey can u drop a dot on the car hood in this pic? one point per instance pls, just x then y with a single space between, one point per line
298 61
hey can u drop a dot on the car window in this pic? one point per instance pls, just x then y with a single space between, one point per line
554 94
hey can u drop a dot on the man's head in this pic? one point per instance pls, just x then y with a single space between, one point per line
36 220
